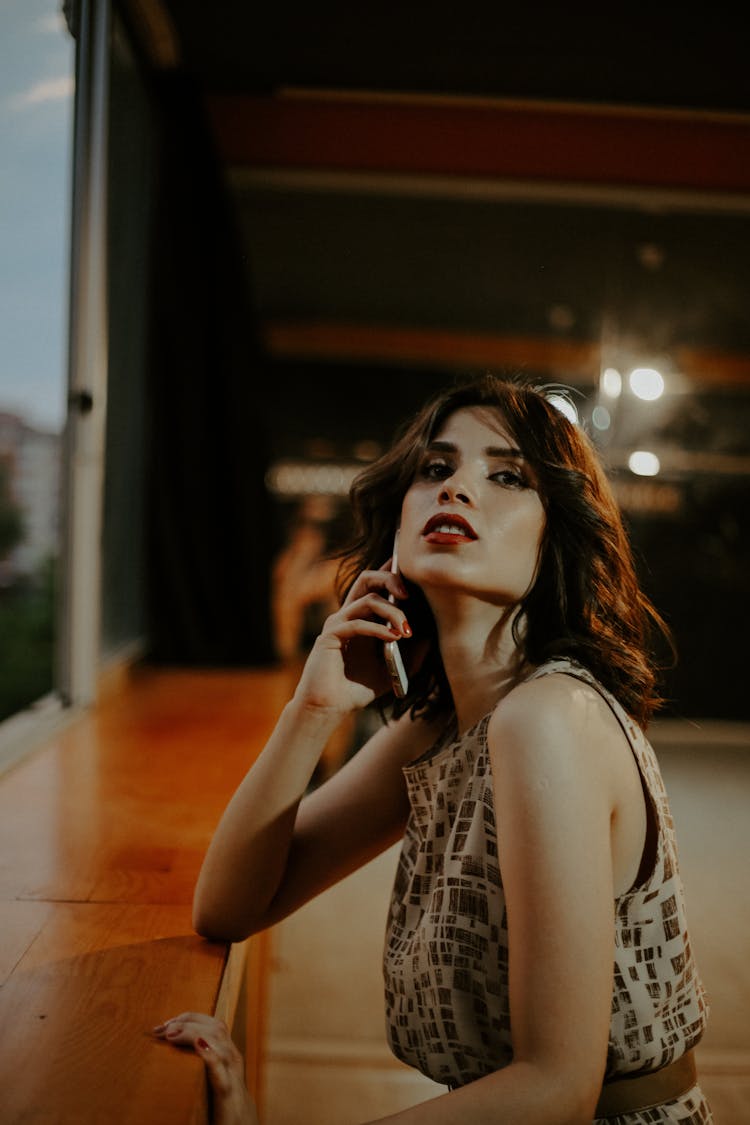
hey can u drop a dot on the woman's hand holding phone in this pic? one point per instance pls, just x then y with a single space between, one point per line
346 670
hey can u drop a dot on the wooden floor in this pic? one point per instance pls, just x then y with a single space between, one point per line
325 1046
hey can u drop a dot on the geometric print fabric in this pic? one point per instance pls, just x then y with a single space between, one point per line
445 962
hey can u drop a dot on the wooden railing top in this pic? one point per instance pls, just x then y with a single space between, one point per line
102 832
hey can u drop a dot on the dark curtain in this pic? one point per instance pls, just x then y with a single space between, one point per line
209 541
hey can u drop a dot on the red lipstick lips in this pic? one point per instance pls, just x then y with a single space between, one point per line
447 528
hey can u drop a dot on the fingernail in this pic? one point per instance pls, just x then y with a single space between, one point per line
159 1029
406 629
202 1044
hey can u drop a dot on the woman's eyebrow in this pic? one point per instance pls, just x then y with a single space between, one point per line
442 447
503 451
490 451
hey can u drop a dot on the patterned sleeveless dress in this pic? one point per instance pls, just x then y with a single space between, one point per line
446 950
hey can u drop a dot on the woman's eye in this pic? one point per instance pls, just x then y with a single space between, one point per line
512 478
436 470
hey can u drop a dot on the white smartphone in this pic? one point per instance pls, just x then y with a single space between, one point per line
396 670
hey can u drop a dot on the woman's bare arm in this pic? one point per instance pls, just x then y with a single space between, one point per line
272 850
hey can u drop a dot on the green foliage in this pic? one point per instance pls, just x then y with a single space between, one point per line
11 519
27 641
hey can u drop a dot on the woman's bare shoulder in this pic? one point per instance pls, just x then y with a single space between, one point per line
555 711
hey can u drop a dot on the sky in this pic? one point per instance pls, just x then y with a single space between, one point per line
37 63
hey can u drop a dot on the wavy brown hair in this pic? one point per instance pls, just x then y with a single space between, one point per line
585 603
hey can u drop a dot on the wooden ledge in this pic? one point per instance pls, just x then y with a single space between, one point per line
102 832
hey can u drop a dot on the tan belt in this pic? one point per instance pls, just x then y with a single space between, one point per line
627 1095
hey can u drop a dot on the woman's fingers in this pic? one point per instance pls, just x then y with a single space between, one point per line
188 1027
208 1036
370 609
211 1041
382 580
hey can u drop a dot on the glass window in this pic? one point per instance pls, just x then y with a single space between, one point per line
37 65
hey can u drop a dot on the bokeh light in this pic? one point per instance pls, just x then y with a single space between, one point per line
611 382
643 463
601 417
565 406
646 383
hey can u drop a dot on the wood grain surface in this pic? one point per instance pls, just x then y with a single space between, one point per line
102 833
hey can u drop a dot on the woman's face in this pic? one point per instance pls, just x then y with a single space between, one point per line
472 520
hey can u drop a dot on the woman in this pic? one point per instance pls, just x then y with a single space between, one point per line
537 959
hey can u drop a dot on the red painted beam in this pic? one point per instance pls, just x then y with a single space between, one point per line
525 141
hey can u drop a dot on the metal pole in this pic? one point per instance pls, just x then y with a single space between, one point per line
84 445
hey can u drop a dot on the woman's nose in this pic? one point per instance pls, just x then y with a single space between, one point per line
455 490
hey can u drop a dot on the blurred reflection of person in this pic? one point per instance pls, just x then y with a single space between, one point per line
303 579
303 595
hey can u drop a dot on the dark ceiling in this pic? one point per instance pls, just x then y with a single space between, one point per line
656 55
492 238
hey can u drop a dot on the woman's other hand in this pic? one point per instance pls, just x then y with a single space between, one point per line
210 1039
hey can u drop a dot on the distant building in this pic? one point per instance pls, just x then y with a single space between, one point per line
34 460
